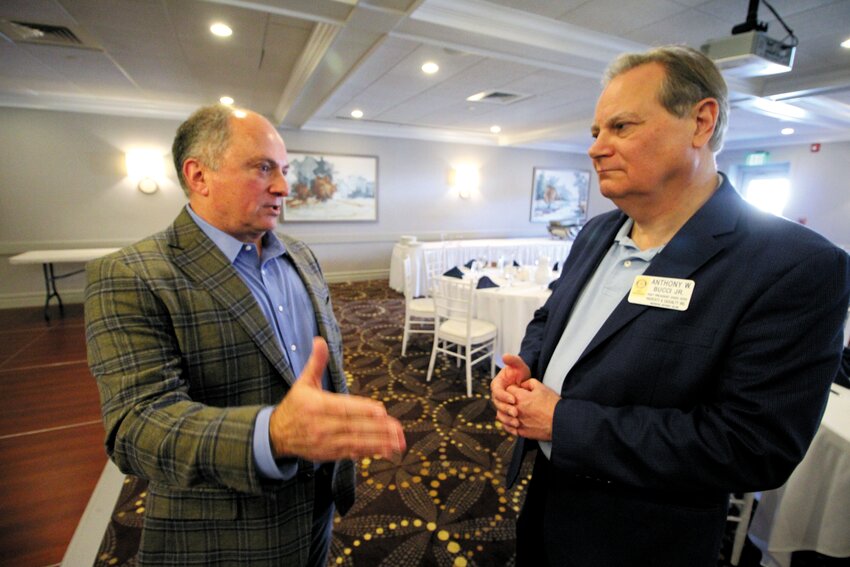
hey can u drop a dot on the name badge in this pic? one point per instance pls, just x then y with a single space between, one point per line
666 293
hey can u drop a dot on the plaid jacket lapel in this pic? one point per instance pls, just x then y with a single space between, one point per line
202 262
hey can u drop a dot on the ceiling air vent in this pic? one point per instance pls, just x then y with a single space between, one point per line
496 97
44 34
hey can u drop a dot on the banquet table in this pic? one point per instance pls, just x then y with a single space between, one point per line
811 511
47 259
458 252
510 307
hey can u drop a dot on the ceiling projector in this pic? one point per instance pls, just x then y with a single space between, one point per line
750 54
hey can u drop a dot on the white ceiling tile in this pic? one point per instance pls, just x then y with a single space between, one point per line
545 8
682 28
170 58
609 16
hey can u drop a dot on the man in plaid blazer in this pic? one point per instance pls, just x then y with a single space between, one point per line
211 383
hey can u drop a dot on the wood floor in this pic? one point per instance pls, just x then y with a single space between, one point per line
51 436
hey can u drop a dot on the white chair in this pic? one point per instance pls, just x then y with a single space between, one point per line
740 510
435 266
418 312
473 339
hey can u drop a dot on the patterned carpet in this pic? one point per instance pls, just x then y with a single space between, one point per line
444 502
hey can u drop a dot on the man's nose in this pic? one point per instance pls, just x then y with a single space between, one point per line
279 184
600 147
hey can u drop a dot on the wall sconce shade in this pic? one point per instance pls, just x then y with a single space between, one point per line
145 166
465 179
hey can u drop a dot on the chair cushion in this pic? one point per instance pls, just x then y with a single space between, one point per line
455 331
421 307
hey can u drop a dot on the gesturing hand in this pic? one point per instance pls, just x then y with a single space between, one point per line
514 373
323 426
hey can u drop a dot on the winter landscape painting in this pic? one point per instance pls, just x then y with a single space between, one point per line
328 187
559 195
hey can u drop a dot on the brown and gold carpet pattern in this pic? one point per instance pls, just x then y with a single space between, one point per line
444 502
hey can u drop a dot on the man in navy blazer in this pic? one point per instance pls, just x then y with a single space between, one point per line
687 350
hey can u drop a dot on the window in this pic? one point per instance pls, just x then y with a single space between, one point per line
768 187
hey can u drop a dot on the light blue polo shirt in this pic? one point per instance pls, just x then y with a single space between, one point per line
610 283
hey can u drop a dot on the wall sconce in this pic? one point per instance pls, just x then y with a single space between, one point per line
465 179
145 166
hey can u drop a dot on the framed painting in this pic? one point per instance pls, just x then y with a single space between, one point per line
331 188
559 194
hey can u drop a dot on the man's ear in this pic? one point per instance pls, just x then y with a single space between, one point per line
705 121
195 175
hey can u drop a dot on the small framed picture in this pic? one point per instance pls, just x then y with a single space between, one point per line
559 194
331 188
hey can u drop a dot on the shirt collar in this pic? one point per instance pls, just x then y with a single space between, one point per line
625 243
231 247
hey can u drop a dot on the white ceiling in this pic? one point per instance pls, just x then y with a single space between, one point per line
308 63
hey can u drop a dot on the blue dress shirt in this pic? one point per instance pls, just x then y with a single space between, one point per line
283 299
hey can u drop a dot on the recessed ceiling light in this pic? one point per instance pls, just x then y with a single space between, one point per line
357 113
228 100
787 131
495 129
846 43
221 30
430 68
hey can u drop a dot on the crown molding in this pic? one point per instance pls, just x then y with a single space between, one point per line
97 105
391 130
485 18
317 46
315 15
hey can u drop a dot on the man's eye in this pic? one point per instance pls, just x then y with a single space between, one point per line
265 168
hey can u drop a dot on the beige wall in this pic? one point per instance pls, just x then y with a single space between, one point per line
63 185
820 185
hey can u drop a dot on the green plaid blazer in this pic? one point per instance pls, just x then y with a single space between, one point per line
184 359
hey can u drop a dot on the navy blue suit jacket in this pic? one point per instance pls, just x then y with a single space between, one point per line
725 396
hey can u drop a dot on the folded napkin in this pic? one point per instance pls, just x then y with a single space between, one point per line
469 264
516 264
555 267
554 283
454 273
486 282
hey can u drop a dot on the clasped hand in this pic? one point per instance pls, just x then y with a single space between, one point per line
323 426
524 405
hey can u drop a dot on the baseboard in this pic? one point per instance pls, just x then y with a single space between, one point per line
358 276
36 299
89 533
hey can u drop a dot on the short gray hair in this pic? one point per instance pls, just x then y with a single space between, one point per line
203 136
690 77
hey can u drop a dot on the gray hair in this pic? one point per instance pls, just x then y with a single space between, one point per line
690 77
203 136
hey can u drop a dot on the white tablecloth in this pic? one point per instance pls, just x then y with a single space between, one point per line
458 252
812 510
510 307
